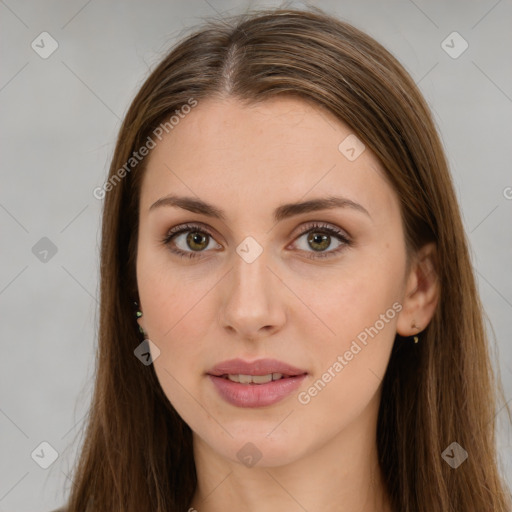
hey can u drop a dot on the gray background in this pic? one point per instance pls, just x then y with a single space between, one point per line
60 117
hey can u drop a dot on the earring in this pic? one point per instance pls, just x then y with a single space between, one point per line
414 326
138 314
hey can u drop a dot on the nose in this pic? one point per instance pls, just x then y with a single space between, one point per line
253 306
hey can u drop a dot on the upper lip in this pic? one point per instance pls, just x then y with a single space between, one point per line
258 367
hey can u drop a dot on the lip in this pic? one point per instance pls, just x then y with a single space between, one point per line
255 395
258 367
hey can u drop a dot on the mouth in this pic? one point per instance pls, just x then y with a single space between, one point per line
255 384
270 369
255 379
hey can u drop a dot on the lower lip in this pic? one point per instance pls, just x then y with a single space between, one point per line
256 395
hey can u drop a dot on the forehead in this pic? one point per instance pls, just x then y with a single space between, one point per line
249 157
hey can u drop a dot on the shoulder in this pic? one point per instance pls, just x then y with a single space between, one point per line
62 509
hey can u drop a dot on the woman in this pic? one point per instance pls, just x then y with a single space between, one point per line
280 221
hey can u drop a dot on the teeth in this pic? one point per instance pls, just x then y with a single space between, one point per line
255 379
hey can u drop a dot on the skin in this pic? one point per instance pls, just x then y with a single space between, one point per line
248 160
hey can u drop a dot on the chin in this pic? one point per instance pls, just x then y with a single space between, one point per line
251 446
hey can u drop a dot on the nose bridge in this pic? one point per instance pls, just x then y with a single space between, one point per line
252 300
251 276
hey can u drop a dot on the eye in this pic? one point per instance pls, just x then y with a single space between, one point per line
320 238
198 239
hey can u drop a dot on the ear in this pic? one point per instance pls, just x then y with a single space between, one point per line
421 294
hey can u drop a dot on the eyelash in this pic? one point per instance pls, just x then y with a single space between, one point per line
320 228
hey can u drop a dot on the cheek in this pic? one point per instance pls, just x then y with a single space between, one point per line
177 324
178 319
356 325
346 302
358 312
349 366
171 295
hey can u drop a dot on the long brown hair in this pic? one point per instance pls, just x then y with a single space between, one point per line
137 452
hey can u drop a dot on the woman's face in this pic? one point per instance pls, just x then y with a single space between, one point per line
317 289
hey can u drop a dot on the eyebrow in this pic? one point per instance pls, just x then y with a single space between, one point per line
280 213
